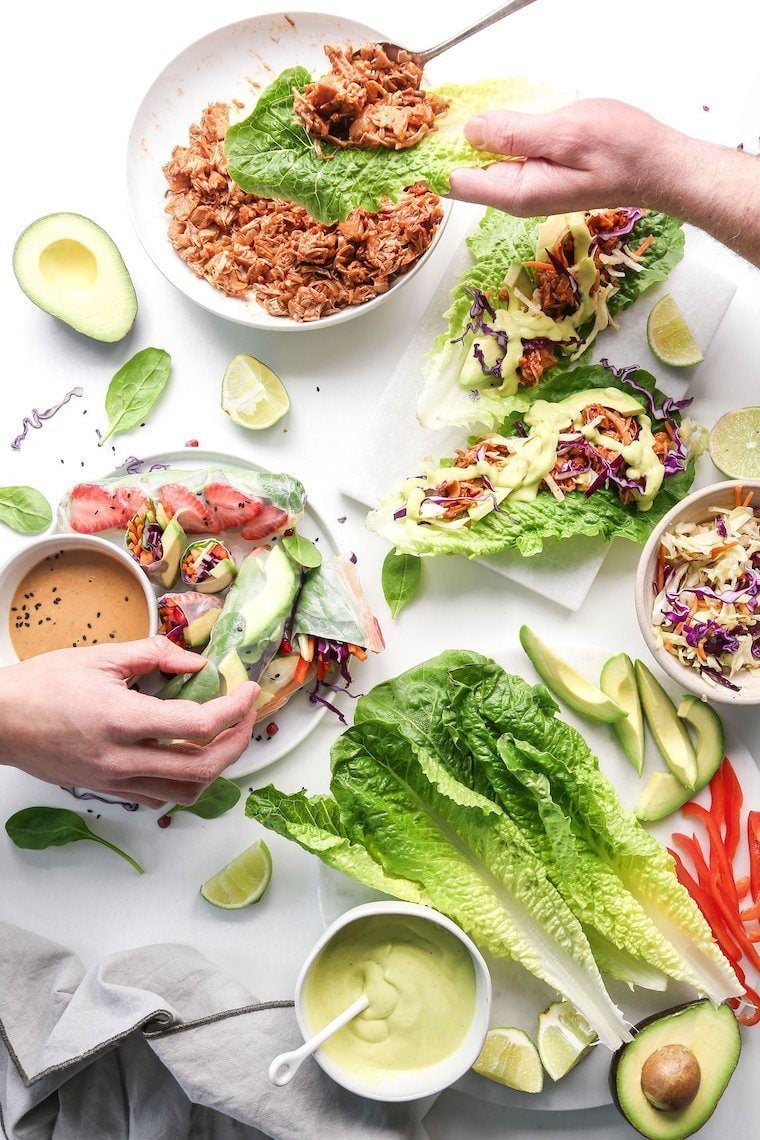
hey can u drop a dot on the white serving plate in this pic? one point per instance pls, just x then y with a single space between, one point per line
299 716
234 62
518 997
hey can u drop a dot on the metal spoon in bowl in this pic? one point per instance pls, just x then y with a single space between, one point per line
284 1068
423 57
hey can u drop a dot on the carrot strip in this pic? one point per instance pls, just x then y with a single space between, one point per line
738 490
723 546
302 668
538 265
644 246
661 568
747 499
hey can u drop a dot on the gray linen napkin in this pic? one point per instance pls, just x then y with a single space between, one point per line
158 1044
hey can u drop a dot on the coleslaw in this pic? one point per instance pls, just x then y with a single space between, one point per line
706 609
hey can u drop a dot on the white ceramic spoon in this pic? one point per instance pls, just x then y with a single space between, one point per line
284 1068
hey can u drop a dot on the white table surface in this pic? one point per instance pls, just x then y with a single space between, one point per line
72 76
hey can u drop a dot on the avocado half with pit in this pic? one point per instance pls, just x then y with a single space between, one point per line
69 267
669 1079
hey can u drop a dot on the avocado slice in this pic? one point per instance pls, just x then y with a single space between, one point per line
267 611
618 681
233 673
197 632
173 541
222 576
683 1060
663 793
567 683
69 267
668 731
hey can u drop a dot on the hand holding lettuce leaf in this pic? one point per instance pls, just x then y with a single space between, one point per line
600 453
537 294
271 154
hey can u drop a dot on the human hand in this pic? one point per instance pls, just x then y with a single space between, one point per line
596 152
69 717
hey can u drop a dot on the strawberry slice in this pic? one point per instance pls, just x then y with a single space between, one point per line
189 510
94 508
231 509
270 520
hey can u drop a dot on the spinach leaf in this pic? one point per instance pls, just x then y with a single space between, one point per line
401 578
35 828
134 390
24 509
217 799
302 551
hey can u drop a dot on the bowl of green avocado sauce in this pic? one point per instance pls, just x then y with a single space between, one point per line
429 995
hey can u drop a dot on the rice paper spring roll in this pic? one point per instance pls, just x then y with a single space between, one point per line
332 623
249 631
188 618
156 540
207 500
208 566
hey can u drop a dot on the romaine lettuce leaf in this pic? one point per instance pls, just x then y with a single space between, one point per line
497 244
510 706
471 859
271 154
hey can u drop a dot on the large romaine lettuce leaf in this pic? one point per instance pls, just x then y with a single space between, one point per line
270 153
497 244
549 745
471 859
437 714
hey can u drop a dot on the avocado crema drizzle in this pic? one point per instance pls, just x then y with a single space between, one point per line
553 451
556 303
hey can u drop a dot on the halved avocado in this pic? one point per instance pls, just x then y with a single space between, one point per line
70 268
663 793
173 541
618 680
567 683
668 731
683 1060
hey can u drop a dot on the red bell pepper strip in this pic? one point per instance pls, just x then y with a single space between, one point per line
733 806
718 855
750 913
733 924
742 886
753 840
754 1017
711 914
718 798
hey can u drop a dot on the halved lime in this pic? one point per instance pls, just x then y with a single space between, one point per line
243 881
735 444
669 337
564 1038
252 395
510 1058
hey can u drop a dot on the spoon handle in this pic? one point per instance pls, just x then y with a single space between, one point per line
492 18
284 1068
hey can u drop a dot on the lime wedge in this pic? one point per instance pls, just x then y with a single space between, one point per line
252 395
510 1058
669 337
243 881
564 1038
735 444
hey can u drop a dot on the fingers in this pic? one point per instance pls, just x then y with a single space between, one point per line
151 718
497 186
136 658
156 793
529 188
516 133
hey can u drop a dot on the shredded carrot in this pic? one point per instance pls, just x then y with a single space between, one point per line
302 668
644 246
700 651
738 495
747 499
723 546
538 265
661 568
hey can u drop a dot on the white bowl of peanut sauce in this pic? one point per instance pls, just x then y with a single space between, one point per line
72 590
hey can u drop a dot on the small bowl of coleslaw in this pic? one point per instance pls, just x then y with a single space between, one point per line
698 593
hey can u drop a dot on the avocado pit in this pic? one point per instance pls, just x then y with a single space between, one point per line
670 1078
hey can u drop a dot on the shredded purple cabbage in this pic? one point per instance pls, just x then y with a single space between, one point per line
632 217
720 526
80 794
668 407
715 675
480 306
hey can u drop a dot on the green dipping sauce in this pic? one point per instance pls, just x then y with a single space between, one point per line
420 981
